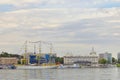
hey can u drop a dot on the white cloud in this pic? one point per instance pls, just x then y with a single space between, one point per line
116 34
75 26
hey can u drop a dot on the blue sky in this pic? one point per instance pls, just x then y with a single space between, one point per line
73 26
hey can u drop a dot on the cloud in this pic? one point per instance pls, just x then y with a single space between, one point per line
62 19
64 26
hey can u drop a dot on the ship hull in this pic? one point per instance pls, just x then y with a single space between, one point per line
37 67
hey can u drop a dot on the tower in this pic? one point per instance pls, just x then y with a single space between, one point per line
93 53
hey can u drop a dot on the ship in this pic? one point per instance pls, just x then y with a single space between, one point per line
38 61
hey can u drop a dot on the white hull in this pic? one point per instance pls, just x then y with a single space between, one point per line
36 67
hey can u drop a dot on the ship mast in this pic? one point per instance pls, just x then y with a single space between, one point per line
25 54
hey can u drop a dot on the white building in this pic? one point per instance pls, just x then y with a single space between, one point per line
92 59
72 59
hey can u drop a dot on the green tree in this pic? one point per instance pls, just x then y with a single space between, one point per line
102 61
114 60
59 60
6 54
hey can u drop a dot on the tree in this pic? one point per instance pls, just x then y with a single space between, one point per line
114 60
102 61
59 60
6 54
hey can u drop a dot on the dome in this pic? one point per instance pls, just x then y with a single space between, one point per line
93 53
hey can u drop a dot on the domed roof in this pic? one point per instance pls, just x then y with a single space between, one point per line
93 53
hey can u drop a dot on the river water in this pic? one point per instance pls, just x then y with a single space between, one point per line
62 74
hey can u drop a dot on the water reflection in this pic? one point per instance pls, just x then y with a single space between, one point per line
43 74
62 74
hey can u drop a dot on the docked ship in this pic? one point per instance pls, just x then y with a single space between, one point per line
38 60
37 67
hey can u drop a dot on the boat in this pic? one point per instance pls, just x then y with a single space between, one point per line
1 67
61 66
10 66
37 67
38 60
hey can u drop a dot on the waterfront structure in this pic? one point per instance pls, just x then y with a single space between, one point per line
82 59
91 59
107 56
8 60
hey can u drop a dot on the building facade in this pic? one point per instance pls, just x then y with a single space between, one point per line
91 59
118 57
8 60
72 59
107 56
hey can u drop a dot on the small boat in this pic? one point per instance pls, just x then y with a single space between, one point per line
10 66
61 66
1 67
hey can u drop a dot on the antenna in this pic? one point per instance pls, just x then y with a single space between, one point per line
92 49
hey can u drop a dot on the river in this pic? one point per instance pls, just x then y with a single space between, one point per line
62 74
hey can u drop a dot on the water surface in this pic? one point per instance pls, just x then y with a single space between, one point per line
62 74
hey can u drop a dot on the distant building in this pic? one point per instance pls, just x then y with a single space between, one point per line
91 59
107 56
118 56
85 59
8 60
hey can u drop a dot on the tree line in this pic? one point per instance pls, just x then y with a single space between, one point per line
6 54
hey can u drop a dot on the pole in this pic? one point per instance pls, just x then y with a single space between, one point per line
34 48
39 52
25 55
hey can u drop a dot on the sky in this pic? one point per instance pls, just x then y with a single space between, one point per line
72 26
